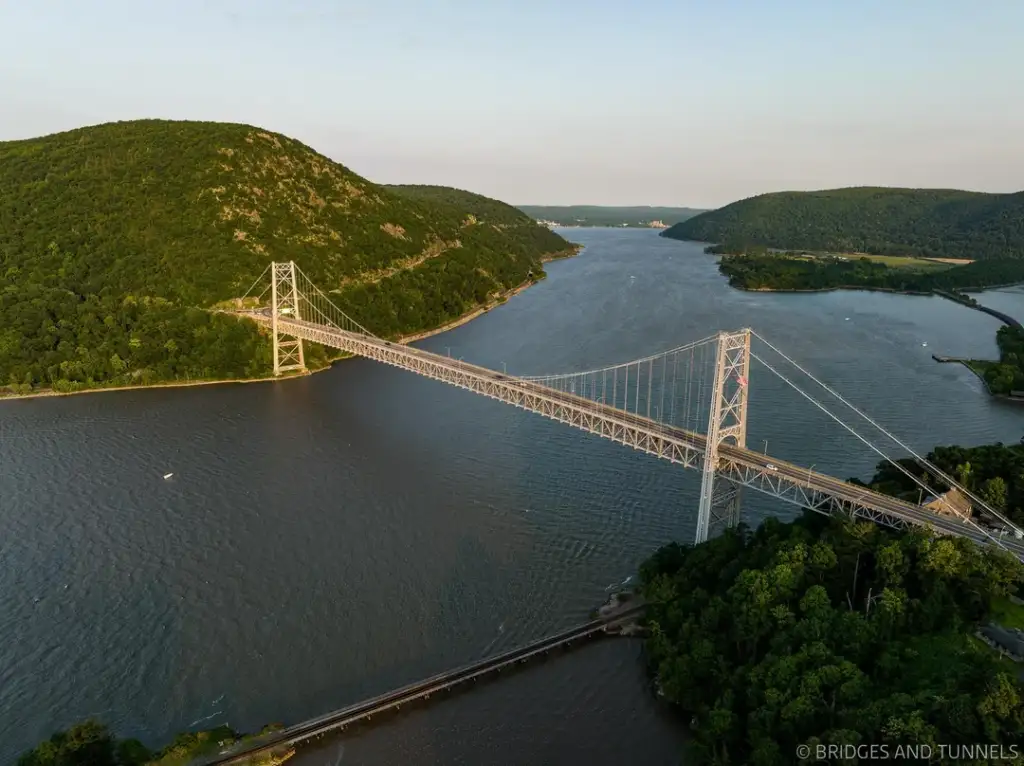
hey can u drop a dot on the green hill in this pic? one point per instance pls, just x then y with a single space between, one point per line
600 215
114 239
494 212
921 222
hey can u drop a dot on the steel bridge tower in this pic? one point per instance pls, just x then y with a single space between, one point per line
727 424
284 301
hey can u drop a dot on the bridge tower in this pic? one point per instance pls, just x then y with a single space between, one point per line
284 301
727 424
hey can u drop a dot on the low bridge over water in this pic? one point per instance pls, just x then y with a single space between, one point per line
338 720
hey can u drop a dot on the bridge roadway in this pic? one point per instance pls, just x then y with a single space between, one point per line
362 711
778 478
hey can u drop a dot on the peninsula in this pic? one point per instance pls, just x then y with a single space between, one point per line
116 241
915 241
929 223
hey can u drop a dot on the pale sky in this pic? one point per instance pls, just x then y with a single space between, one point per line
662 102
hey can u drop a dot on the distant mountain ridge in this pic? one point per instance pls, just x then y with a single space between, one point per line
933 223
639 216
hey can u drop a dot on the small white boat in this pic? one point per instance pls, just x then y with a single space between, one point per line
168 475
924 344
847 319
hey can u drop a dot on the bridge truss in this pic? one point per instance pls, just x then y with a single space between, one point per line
656 404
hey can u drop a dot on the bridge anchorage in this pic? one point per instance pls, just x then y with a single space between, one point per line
687 405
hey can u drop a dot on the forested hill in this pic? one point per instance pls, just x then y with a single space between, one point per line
114 238
882 221
493 211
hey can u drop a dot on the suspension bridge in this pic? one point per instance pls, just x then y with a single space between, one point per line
665 405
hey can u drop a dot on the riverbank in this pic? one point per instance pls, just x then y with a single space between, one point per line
977 366
170 384
969 364
972 304
469 316
191 747
494 302
866 288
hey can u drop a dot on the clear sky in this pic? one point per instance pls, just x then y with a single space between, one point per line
672 102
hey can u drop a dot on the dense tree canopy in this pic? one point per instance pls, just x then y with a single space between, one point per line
816 632
114 239
90 743
935 223
86 744
995 472
1007 375
792 272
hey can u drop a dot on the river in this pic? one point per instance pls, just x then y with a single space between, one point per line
327 538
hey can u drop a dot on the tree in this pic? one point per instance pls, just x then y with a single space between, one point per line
824 631
994 492
84 744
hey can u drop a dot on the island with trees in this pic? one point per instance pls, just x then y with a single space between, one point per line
929 223
117 240
830 632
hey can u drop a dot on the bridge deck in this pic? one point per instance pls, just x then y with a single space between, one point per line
778 478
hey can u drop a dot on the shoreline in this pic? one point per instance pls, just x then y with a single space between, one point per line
1004 318
967 363
170 384
1007 320
496 301
405 340
865 288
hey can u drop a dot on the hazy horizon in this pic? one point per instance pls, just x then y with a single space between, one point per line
678 104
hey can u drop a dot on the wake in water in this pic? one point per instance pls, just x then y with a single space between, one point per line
213 715
205 718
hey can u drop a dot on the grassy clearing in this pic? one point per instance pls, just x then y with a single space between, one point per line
1007 613
951 261
904 262
1005 662
892 261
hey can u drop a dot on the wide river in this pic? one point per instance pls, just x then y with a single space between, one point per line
328 538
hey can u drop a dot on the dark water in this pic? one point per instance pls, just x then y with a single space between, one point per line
325 539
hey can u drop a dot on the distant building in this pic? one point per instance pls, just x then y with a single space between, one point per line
658 225
950 503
